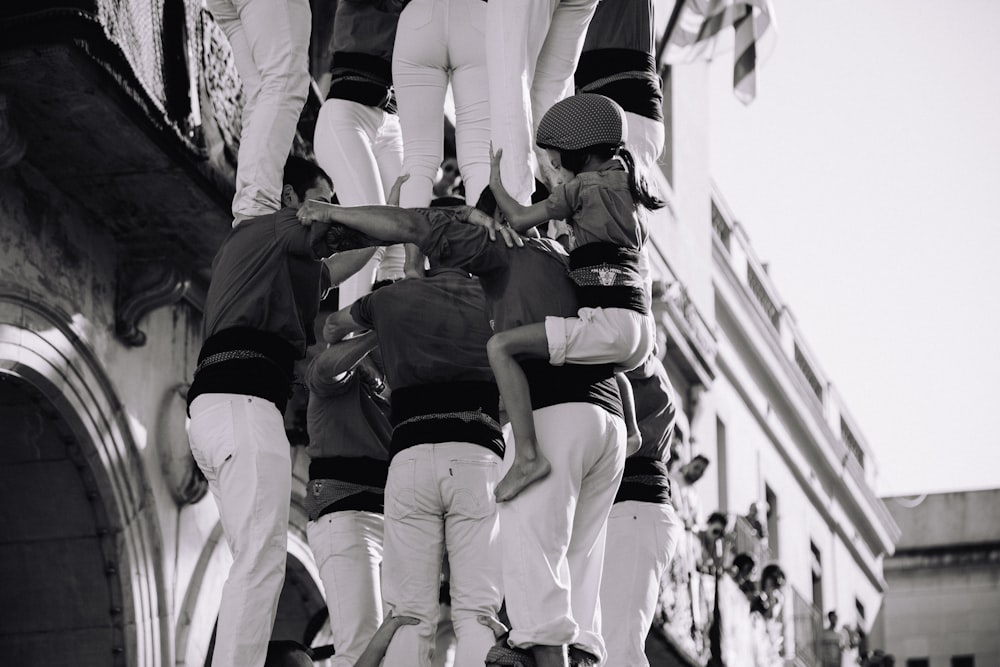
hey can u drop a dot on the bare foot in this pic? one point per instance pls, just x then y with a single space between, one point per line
521 475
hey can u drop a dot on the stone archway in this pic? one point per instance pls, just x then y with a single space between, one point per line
86 501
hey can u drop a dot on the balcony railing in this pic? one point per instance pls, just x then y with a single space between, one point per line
852 443
721 226
763 298
808 630
687 605
808 373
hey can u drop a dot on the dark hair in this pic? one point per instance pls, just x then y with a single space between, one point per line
772 571
449 200
302 174
701 457
717 517
742 560
573 160
287 653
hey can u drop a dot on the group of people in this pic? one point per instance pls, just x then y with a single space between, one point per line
543 521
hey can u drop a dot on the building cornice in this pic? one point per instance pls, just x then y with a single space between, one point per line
816 455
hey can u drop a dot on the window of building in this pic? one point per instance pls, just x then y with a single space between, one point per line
817 577
918 662
772 521
963 661
860 609
722 455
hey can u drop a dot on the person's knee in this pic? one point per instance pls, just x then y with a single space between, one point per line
498 347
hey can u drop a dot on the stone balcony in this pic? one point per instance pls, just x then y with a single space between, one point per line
133 109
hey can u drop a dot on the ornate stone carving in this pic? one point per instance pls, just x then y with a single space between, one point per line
184 479
142 288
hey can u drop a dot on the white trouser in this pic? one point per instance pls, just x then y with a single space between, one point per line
348 550
270 43
642 538
361 150
553 532
645 140
239 442
435 40
439 494
532 49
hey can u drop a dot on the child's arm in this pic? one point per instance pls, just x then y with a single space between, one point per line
521 218
633 438
375 651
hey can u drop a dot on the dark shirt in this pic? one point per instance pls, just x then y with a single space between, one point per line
523 286
261 304
655 409
364 32
349 434
645 478
617 59
432 334
346 417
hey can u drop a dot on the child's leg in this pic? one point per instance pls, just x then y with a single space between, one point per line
525 342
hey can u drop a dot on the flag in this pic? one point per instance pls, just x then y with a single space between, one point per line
699 29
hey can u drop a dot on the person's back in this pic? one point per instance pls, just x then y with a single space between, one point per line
445 457
262 299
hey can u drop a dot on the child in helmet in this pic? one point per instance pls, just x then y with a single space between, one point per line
604 204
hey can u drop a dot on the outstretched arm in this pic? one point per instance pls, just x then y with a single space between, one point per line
521 218
371 225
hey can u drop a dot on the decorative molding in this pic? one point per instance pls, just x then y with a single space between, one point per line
43 345
142 288
12 143
185 480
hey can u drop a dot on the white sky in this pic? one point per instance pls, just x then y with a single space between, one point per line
867 174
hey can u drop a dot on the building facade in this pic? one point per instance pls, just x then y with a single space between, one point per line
943 603
118 131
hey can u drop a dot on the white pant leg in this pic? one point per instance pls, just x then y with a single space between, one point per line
586 448
560 54
414 545
466 37
642 538
275 34
469 474
348 550
645 139
516 30
239 442
420 76
388 148
347 134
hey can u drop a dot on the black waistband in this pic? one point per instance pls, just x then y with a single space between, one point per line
366 501
268 376
445 397
602 63
362 78
355 469
628 77
644 480
601 252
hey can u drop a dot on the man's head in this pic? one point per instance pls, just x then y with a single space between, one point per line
743 563
695 468
716 525
831 617
772 577
303 180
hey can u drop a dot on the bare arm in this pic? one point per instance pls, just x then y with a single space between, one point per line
633 438
379 644
521 218
373 225
339 324
342 357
